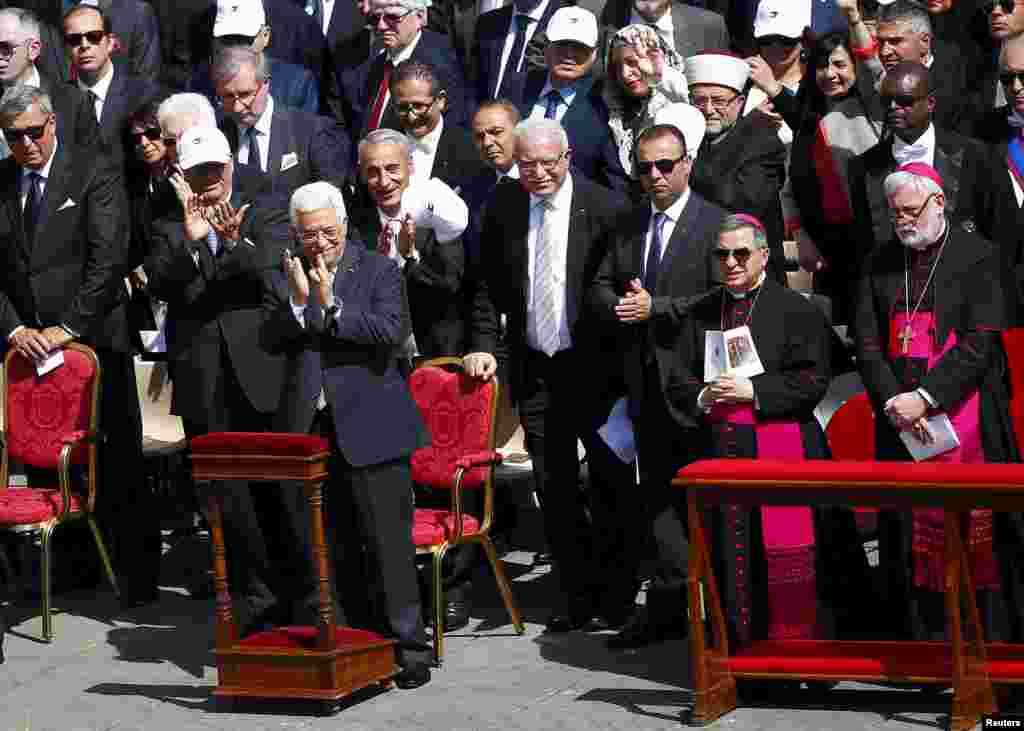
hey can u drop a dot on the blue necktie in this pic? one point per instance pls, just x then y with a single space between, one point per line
654 255
554 99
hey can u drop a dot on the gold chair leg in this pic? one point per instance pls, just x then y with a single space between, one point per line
45 542
503 585
438 560
108 568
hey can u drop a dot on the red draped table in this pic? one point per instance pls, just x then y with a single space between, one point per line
967 663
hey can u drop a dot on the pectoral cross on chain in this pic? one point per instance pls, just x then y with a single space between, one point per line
905 336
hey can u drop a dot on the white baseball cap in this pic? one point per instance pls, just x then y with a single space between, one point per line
202 144
573 23
781 18
239 18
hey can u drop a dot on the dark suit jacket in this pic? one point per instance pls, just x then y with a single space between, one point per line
457 162
950 87
70 272
318 145
353 358
488 44
182 44
960 162
135 25
503 286
1001 221
290 85
594 153
76 116
126 94
215 307
693 29
686 271
744 173
359 85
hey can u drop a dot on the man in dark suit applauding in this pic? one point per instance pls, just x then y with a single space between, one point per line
64 238
546 237
343 323
660 260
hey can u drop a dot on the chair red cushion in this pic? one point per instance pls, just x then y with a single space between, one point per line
270 444
458 412
304 638
1013 343
851 431
26 505
844 659
431 527
43 411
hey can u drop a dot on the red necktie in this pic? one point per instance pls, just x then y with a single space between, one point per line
382 95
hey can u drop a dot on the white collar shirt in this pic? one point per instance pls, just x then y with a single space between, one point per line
554 220
510 38
101 88
540 108
262 128
922 150
513 173
328 10
424 150
672 215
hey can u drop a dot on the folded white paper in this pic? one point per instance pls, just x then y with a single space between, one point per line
944 439
51 362
617 432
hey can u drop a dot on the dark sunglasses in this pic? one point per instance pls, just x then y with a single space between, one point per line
74 40
391 19
742 254
901 100
777 41
1006 78
14 134
152 134
1006 5
665 166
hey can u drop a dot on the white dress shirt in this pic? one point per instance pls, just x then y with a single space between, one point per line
262 127
922 150
510 38
433 205
556 223
513 172
424 150
540 108
328 7
663 27
672 214
101 88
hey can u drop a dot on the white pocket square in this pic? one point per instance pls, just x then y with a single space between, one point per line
289 161
66 204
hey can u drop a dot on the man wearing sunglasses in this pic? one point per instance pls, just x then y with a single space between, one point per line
283 148
20 49
741 165
910 104
64 237
112 88
398 28
659 259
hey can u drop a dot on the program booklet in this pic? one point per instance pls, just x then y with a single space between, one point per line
944 434
730 353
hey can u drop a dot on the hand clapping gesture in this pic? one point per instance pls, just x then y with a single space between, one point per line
227 221
407 237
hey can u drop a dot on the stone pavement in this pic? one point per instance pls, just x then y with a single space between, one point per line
153 669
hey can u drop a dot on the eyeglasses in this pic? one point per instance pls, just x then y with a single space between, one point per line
414 107
244 100
547 165
9 49
1006 5
330 234
152 134
777 41
899 213
901 100
390 19
14 134
717 103
1006 78
74 40
742 254
665 165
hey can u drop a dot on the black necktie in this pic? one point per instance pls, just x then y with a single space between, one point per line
93 97
33 204
654 255
254 150
516 56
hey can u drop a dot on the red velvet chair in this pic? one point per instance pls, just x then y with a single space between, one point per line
51 422
460 414
1013 343
851 438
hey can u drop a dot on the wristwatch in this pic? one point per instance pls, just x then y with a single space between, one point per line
331 312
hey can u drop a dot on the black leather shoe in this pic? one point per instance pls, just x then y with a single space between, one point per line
456 615
412 676
640 631
130 601
543 558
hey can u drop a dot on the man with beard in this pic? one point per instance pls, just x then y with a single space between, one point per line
741 164
927 333
910 107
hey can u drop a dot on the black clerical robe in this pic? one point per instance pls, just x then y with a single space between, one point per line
785 586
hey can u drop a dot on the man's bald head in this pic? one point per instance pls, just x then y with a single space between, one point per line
907 74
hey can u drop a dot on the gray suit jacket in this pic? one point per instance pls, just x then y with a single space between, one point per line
694 29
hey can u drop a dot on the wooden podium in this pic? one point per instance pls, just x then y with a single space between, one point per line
966 662
322 663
